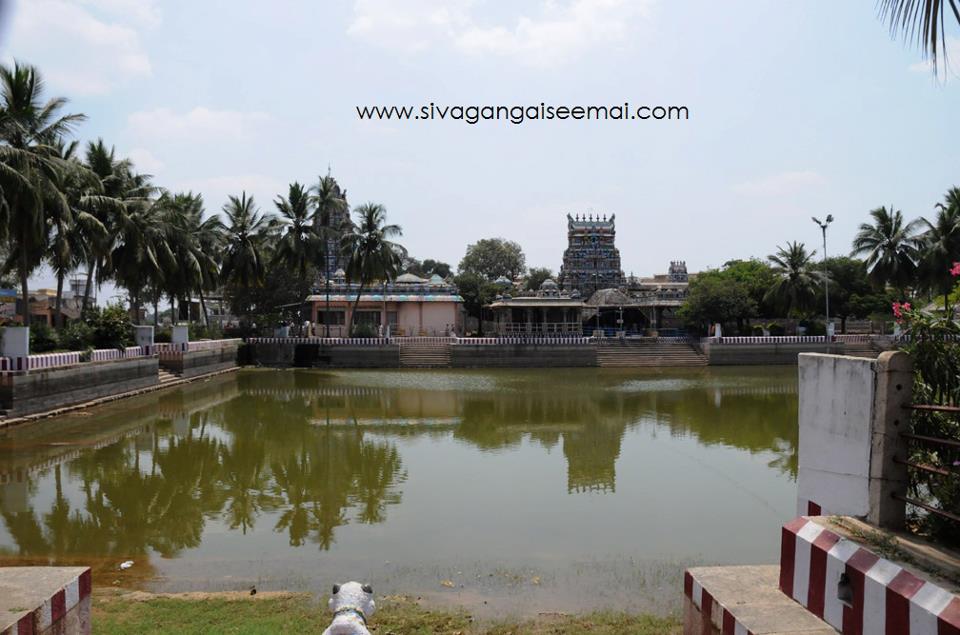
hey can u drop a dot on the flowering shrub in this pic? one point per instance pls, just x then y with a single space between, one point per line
934 343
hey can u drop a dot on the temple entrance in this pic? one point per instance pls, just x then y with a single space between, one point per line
616 318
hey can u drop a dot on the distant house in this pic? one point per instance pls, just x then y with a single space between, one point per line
42 305
407 306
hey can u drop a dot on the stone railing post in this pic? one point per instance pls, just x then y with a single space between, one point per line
894 373
180 335
143 335
16 342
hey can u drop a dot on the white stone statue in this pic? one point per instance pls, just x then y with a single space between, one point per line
352 605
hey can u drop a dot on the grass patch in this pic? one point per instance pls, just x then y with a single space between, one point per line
116 613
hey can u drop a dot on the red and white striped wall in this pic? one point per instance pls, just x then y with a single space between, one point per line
711 610
54 608
884 598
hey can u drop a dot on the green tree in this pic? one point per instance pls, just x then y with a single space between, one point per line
331 218
940 247
71 238
494 257
714 296
299 239
535 278
476 291
30 169
371 255
924 20
245 250
795 286
435 267
851 292
891 248
756 277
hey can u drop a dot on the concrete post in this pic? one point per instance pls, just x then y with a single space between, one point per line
180 334
143 335
16 342
851 415
894 376
717 331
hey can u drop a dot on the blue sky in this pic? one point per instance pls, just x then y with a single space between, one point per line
796 109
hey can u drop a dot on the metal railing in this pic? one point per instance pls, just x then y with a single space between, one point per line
947 455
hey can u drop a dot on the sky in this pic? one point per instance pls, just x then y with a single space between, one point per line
796 109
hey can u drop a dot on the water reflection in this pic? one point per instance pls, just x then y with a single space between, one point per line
303 454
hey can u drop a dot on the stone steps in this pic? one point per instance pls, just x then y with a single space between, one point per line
166 376
425 355
861 349
633 355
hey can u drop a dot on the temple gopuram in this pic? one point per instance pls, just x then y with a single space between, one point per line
591 261
591 293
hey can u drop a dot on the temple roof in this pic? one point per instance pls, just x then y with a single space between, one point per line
609 297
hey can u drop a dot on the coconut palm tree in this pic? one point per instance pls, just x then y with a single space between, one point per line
371 255
134 232
924 20
330 219
30 170
796 279
941 246
245 245
137 250
891 248
70 242
299 238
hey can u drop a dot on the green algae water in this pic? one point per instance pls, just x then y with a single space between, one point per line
509 492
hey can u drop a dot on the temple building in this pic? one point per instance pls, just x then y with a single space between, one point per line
591 293
409 305
591 261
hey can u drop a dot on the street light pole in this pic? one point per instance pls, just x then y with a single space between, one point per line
826 277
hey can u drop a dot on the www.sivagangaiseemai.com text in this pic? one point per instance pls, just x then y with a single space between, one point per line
518 114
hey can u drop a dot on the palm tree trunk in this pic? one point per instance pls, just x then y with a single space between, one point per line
24 276
353 313
156 311
203 308
86 290
173 310
58 317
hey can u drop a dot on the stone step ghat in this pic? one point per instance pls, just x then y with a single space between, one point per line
646 354
166 376
861 349
424 355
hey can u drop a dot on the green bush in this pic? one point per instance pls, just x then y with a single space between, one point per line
757 330
43 339
162 336
814 327
776 329
76 336
363 330
200 331
111 327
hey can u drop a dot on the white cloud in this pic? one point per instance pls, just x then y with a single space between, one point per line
948 64
556 31
781 184
199 123
85 47
145 161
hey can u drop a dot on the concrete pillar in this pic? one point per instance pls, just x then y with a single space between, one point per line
180 334
718 332
851 415
16 342
894 375
143 335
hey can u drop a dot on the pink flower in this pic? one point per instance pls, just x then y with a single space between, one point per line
955 270
897 312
